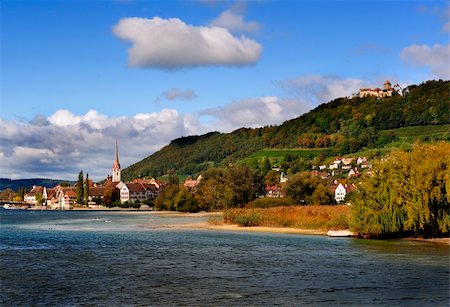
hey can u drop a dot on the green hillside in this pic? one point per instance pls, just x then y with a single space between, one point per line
340 127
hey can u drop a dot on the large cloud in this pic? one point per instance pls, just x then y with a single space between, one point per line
63 144
435 58
320 89
172 44
255 112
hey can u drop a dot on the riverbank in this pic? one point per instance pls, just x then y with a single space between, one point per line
213 223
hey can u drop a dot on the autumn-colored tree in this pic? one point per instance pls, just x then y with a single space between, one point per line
176 197
110 196
407 194
7 194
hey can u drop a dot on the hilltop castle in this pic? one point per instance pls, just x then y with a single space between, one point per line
387 91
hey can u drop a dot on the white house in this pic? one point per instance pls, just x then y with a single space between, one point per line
352 173
361 160
347 161
132 191
339 193
366 165
30 197
283 177
333 166
338 160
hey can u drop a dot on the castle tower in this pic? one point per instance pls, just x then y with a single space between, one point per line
387 85
116 167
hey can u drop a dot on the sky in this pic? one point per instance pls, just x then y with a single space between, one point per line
77 75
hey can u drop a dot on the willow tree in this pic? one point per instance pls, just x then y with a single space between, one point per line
408 193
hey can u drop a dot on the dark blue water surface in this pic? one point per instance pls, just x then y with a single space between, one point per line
115 259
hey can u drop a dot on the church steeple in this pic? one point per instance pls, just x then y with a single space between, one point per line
116 171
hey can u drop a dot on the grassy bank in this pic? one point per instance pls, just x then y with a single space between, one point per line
302 217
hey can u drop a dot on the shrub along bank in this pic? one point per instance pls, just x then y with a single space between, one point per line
301 217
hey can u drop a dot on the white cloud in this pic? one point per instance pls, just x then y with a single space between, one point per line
318 89
67 143
235 22
435 58
172 44
175 94
255 112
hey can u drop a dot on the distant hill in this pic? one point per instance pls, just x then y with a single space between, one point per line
341 126
6 183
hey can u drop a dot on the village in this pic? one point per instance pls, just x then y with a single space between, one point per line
140 192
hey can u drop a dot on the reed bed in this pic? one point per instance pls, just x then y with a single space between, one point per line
301 217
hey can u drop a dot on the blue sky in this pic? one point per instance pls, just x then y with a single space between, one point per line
76 75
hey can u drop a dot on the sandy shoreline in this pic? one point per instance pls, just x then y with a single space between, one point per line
235 227
206 225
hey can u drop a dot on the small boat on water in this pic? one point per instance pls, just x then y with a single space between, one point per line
340 233
14 207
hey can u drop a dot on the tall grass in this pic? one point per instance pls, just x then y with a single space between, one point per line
302 217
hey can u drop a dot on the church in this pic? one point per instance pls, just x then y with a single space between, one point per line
116 170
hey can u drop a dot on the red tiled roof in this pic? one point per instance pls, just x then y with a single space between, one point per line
149 186
35 190
51 193
135 187
96 191
71 193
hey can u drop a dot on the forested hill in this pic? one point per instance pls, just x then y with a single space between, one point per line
343 125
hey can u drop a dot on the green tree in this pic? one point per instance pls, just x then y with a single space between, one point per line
80 188
212 192
176 197
266 165
305 188
39 199
86 190
184 201
322 195
21 193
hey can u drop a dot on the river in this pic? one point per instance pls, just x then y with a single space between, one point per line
73 258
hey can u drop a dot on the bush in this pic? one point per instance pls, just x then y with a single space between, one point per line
302 217
268 202
247 220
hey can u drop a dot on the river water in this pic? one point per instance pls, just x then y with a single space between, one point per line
77 258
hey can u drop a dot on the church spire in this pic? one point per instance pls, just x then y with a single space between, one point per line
116 160
116 171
